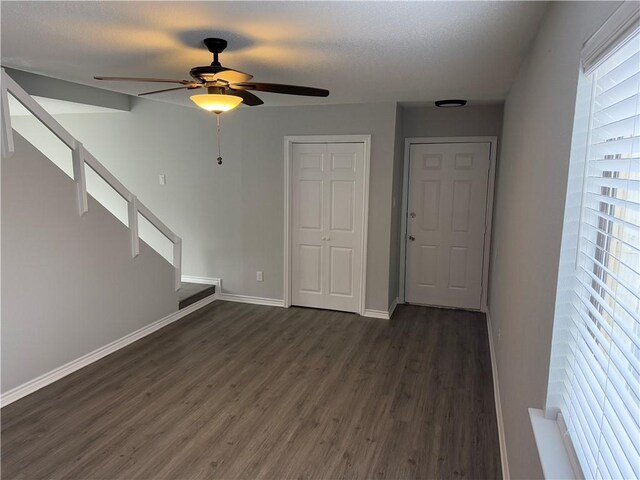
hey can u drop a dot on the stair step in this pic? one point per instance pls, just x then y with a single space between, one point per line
189 293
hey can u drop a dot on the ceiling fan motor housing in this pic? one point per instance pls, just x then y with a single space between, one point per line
207 73
215 45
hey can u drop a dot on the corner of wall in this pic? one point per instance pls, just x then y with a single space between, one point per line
396 209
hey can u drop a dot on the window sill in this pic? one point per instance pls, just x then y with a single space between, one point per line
554 457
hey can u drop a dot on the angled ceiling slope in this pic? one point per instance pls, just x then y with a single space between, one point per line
360 51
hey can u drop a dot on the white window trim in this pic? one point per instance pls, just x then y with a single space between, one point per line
557 457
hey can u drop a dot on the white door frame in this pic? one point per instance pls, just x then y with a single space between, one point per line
493 141
288 145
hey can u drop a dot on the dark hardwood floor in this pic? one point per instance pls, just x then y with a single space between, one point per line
190 293
237 391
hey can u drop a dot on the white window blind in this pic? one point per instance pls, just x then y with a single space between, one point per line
595 367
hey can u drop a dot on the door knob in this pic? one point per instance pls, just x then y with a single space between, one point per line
412 214
412 238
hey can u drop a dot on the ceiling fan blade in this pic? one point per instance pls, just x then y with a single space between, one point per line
220 74
232 76
160 91
248 98
149 80
279 88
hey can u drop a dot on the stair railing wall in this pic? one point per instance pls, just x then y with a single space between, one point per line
80 158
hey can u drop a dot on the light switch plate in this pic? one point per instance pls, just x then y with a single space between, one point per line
162 179
259 276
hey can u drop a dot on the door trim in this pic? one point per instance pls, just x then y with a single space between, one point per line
493 147
289 140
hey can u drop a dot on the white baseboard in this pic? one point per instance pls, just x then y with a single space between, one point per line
393 306
384 314
496 395
202 280
232 297
64 370
376 314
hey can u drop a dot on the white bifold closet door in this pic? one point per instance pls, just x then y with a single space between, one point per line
446 224
327 183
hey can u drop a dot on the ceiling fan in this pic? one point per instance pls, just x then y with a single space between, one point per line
226 87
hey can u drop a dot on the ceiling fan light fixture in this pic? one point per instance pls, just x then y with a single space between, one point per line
216 102
450 103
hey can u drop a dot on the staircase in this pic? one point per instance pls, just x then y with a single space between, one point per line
190 293
77 282
81 158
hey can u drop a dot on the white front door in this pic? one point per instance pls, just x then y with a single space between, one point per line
327 185
446 223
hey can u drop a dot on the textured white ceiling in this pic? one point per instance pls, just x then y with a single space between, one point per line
360 51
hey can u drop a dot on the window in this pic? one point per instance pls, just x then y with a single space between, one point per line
594 382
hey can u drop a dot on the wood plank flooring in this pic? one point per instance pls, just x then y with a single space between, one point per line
237 391
190 293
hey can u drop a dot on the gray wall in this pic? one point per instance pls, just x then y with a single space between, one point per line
257 163
472 120
69 284
231 217
530 196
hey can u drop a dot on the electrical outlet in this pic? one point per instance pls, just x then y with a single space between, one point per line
162 179
259 276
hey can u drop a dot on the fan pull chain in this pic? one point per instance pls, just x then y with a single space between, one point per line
219 151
